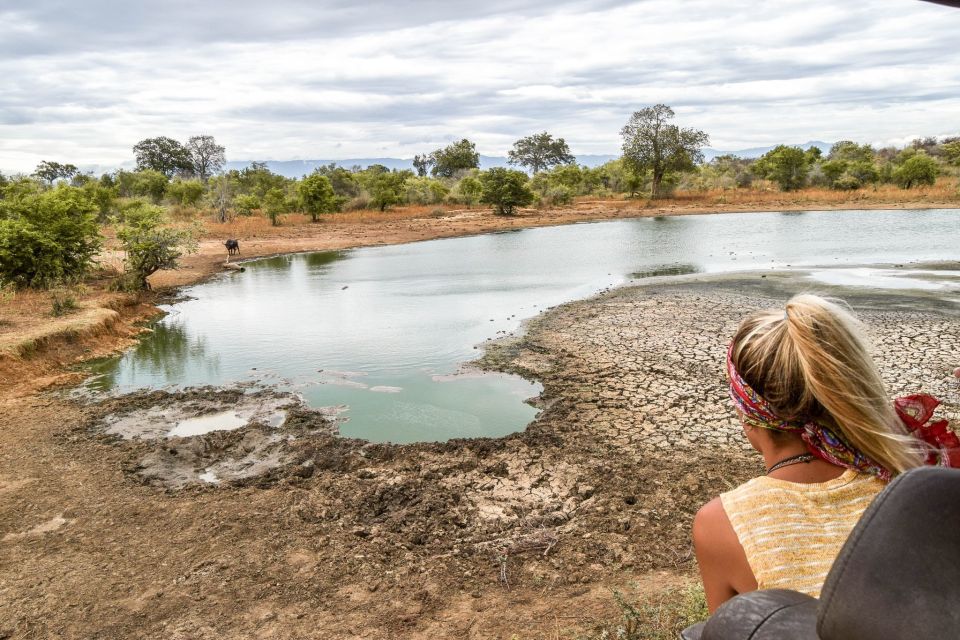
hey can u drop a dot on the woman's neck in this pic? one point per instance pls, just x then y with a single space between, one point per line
815 470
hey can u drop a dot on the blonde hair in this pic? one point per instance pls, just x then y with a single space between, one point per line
811 361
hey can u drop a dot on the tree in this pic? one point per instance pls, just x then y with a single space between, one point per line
257 179
317 196
149 244
951 151
206 156
163 154
916 170
50 172
453 158
540 151
386 188
47 237
650 143
787 166
275 203
344 181
421 163
505 189
221 194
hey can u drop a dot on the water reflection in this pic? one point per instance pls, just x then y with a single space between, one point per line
166 355
323 259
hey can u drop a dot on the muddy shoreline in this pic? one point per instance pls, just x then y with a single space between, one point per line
489 538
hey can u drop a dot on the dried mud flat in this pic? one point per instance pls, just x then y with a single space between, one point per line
490 538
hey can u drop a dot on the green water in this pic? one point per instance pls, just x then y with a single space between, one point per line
380 332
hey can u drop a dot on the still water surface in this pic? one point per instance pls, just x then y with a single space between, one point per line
381 330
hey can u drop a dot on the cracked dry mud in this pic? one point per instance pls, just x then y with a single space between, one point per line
481 538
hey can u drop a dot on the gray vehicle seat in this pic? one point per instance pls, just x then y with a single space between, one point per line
897 577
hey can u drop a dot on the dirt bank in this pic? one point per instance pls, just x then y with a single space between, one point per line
489 538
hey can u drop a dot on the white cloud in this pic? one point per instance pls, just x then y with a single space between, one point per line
297 79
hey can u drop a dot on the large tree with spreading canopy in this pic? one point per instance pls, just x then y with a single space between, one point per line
651 143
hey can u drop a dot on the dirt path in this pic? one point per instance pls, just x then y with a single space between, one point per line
522 536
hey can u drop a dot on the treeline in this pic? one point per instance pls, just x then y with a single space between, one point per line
49 221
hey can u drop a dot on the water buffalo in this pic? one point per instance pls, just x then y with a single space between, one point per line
233 247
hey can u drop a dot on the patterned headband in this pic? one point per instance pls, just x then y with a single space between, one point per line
821 440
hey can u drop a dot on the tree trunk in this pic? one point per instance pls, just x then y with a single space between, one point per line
655 187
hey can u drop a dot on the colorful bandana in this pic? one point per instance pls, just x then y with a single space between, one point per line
914 411
829 445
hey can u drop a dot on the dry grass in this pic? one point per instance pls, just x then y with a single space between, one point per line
259 226
763 194
24 304
945 190
659 618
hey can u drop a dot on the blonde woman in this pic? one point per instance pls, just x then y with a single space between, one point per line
813 404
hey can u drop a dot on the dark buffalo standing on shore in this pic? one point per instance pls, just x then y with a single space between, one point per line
233 247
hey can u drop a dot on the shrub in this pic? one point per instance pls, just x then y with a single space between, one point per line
245 205
787 166
317 196
274 204
425 190
186 193
916 170
386 189
149 245
47 237
847 182
505 189
558 195
357 204
62 303
468 191
150 183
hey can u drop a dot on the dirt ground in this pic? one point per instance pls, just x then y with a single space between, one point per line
525 536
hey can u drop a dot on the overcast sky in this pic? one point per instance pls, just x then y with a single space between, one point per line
82 82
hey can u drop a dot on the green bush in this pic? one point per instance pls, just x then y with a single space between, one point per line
505 189
186 193
150 183
425 190
467 191
245 205
149 244
317 196
47 237
916 170
275 203
558 195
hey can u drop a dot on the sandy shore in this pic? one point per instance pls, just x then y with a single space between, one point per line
491 538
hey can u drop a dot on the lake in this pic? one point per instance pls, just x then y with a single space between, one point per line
379 334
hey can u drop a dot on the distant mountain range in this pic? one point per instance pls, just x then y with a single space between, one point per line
299 168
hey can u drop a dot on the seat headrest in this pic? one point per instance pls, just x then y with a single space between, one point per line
898 575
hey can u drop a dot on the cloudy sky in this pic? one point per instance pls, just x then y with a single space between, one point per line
82 82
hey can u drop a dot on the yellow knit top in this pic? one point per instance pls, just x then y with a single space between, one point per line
792 532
